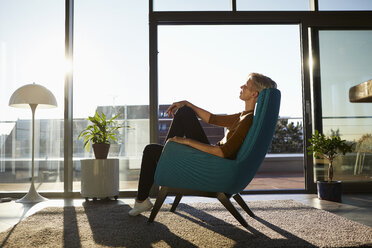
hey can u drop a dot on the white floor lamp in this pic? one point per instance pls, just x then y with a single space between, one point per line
32 95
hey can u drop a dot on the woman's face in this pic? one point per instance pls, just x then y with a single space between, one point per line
247 90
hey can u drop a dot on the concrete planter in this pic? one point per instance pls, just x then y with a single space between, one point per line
99 178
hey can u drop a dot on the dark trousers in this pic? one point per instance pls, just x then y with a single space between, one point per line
185 124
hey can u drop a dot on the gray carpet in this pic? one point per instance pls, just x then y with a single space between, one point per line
107 224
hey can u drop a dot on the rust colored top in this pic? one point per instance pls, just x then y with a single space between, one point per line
238 126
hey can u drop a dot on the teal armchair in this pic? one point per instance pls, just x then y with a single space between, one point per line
183 170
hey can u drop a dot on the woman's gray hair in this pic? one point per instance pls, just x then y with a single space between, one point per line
261 82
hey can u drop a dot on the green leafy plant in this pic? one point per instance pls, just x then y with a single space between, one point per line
101 131
329 148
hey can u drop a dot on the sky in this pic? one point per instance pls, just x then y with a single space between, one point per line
210 63
31 50
203 64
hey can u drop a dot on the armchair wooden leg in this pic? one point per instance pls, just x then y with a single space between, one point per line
228 205
176 202
158 203
238 198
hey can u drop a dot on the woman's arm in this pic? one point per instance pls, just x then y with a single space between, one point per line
215 150
223 120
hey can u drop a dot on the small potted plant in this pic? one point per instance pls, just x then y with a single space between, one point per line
328 148
99 134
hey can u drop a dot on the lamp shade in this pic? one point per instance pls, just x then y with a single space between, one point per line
33 94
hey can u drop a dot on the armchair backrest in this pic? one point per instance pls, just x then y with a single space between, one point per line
255 146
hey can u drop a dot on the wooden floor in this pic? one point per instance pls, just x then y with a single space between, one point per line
277 181
266 181
354 207
261 182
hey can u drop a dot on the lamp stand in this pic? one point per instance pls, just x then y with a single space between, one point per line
32 196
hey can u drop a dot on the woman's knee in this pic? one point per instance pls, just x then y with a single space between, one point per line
152 149
185 111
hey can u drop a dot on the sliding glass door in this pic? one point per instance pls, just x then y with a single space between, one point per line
207 64
345 61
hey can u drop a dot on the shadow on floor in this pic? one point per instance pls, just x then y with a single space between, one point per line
112 226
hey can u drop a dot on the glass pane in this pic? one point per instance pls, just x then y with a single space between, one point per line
345 61
272 5
192 5
207 65
345 5
111 76
31 50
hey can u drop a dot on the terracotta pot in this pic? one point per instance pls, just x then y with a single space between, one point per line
101 150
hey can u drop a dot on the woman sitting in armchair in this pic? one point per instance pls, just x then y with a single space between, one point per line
186 129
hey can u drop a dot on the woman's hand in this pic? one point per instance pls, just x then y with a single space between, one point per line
174 107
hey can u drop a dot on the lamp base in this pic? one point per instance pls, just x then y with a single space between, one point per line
32 196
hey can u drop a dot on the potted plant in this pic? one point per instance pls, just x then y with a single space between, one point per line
328 148
99 134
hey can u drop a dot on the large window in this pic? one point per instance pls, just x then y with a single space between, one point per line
111 76
207 65
202 61
345 61
31 50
